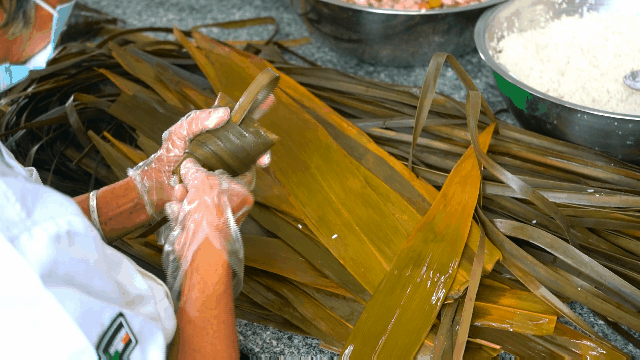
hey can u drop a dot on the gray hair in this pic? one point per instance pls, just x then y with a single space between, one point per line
19 17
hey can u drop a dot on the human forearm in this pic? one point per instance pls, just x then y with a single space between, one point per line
206 320
120 208
121 205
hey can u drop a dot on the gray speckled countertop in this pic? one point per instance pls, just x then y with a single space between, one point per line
262 340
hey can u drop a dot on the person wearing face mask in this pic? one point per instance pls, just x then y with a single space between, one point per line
66 293
30 31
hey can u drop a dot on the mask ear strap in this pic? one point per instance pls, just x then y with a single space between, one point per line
46 6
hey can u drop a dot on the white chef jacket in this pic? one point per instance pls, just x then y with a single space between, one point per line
65 293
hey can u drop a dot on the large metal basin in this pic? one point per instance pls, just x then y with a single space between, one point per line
398 38
614 134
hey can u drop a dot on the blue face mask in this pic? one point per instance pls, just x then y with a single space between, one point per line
11 74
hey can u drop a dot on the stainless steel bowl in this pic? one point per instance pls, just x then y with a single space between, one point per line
614 134
392 37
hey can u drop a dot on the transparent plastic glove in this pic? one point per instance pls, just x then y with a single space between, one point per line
211 210
154 176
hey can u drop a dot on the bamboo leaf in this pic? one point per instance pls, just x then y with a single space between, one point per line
623 242
196 96
478 351
620 330
118 161
465 268
277 303
133 154
137 109
128 86
346 308
549 298
194 80
147 145
550 279
249 310
311 249
429 89
515 310
325 320
274 255
444 339
310 103
578 260
137 67
74 120
101 171
582 346
465 321
207 68
32 152
338 196
423 269
520 345
592 290
418 194
273 194
133 35
378 166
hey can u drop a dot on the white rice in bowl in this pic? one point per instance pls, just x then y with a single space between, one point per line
579 60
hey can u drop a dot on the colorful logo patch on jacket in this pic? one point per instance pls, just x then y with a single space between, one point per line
118 341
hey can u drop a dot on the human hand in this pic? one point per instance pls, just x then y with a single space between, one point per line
213 205
154 177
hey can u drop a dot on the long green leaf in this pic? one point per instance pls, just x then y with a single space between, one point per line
413 290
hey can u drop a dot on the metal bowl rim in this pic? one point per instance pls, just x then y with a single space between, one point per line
412 12
481 45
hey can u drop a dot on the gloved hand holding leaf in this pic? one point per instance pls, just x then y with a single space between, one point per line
213 207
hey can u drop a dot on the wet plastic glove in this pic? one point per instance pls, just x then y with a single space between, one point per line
213 207
154 176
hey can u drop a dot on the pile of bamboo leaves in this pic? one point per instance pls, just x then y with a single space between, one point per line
389 225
